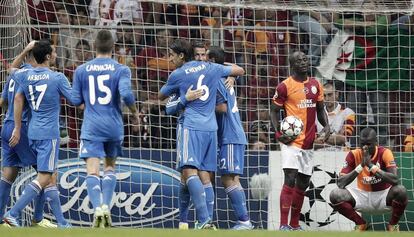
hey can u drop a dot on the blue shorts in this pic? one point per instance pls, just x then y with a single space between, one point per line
231 159
198 149
110 149
19 156
47 154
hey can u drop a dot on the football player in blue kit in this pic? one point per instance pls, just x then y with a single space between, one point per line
42 89
14 158
100 84
232 142
198 149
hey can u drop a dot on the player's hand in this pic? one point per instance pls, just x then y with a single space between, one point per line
319 140
285 139
230 81
325 133
30 46
136 121
15 137
366 156
193 94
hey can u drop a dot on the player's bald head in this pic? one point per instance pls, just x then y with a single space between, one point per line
368 136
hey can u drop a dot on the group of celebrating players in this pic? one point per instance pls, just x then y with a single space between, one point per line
209 136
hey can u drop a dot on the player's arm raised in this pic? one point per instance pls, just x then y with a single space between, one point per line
235 70
170 88
349 172
390 176
20 58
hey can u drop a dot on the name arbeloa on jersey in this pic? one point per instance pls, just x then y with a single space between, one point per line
100 67
38 77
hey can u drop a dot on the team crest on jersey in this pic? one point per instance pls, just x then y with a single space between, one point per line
314 90
306 90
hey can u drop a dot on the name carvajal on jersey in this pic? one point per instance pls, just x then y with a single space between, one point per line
306 103
100 67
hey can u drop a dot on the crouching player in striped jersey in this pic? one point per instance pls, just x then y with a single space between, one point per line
232 142
101 84
378 190
42 89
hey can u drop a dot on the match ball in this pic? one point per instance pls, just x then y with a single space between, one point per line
291 126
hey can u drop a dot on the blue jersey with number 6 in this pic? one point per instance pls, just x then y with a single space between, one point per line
100 84
43 89
199 114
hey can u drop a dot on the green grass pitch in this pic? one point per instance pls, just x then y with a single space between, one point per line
130 232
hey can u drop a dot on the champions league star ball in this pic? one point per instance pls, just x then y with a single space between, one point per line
291 126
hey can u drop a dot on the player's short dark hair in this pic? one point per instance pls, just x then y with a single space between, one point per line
104 42
184 47
40 49
198 44
217 53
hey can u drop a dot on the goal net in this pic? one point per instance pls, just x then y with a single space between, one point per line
361 50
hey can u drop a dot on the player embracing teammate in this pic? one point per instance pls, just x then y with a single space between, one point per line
100 85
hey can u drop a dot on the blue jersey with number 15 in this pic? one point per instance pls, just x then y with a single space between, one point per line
100 84
199 114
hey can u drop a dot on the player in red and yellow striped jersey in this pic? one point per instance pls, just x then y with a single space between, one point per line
409 140
301 96
378 189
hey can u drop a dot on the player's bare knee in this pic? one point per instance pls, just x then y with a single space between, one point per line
334 196
205 177
109 163
187 172
228 180
399 192
9 174
44 179
53 180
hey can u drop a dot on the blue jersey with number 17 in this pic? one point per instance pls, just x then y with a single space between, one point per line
43 89
100 84
199 114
